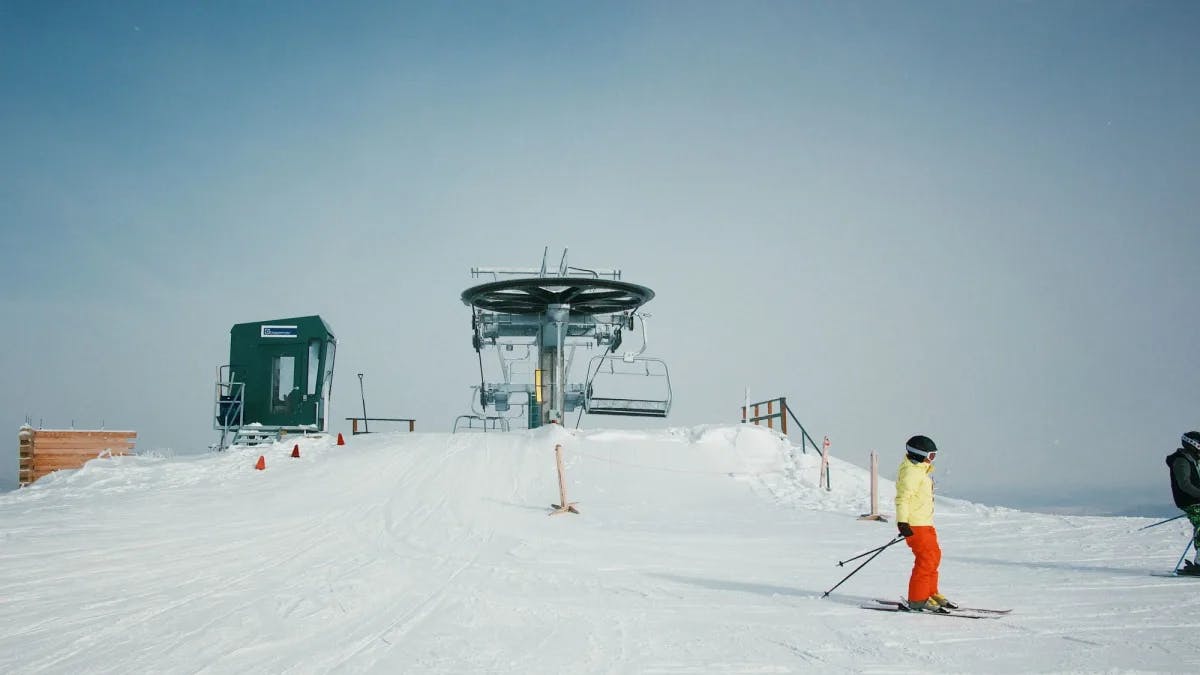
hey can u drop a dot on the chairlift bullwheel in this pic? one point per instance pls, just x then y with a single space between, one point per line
534 296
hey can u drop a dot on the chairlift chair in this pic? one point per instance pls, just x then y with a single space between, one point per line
467 423
629 366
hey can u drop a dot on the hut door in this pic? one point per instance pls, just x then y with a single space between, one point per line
285 388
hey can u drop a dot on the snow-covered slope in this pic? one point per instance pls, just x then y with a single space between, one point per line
701 550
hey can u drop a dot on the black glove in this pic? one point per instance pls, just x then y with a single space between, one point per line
905 530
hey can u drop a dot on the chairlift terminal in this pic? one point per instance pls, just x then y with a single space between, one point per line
537 320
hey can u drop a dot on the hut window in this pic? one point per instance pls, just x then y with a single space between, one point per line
314 364
284 376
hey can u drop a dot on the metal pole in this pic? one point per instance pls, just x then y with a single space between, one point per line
1184 554
1161 522
366 429
856 569
560 379
843 562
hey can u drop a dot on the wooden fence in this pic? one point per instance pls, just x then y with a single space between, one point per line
44 451
777 408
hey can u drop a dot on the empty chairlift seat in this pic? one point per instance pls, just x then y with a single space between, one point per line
636 386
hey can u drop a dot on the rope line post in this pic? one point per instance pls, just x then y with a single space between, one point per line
823 479
874 514
563 506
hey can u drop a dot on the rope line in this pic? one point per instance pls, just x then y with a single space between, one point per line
669 470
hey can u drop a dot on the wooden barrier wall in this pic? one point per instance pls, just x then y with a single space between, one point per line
43 451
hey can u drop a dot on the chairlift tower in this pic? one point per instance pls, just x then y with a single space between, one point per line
554 311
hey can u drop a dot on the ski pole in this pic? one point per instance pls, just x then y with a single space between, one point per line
1185 550
843 562
1161 522
856 569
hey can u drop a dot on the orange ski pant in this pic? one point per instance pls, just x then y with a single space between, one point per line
924 580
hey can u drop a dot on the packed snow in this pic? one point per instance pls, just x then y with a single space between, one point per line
695 550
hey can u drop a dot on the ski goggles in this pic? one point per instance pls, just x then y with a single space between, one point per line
921 453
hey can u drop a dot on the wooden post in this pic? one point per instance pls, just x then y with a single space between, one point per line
354 426
823 480
874 514
25 456
411 425
874 484
563 506
783 414
771 414
756 414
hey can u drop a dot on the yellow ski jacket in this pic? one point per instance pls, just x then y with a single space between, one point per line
914 493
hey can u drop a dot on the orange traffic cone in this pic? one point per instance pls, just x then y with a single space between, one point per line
341 441
262 463
296 451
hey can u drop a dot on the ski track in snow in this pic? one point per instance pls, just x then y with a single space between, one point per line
702 550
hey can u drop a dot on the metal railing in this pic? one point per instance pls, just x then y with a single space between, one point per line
495 422
355 420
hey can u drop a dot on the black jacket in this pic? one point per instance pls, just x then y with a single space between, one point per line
1185 478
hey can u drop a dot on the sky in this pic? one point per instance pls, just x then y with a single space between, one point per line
707 549
974 221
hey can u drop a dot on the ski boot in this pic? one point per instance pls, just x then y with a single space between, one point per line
943 601
929 605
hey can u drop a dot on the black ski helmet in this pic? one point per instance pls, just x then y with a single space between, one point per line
920 448
1191 441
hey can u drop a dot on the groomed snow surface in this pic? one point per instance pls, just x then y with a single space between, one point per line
701 550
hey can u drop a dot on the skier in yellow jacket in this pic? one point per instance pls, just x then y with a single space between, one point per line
914 519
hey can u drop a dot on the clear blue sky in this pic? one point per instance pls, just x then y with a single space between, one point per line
973 220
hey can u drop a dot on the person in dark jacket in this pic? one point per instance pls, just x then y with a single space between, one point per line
1185 488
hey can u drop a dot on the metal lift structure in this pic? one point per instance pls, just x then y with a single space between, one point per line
535 319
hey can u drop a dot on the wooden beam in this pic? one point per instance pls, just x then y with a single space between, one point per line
41 440
82 433
50 446
82 452
76 458
63 463
53 452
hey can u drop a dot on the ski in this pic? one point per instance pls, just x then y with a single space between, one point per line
1175 575
895 607
981 610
